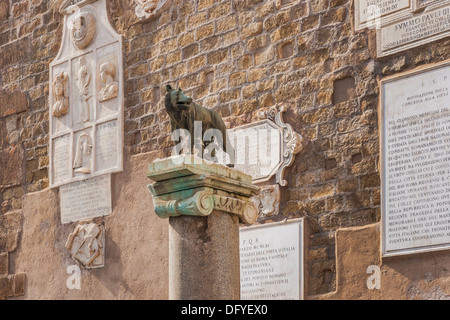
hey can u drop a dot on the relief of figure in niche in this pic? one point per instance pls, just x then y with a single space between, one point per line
86 244
61 95
267 200
82 162
110 87
83 82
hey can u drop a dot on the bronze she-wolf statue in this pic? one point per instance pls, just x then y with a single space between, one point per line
184 114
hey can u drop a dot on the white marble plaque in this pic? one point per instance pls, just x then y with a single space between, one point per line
86 199
415 146
61 160
430 25
258 149
375 13
107 154
271 259
86 96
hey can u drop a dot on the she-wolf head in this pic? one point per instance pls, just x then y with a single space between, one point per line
177 98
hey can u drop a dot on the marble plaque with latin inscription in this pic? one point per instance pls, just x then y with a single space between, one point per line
258 149
415 161
414 30
271 259
87 199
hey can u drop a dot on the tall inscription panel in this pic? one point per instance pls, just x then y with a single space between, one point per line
86 98
415 158
272 261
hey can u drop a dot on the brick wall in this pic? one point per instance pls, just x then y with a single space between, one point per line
236 56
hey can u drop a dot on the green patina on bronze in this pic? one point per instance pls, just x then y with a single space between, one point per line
182 186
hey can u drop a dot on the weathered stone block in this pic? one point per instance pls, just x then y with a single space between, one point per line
12 102
11 162
19 284
4 10
10 228
6 287
3 264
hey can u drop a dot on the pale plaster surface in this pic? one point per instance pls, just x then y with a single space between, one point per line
424 276
137 253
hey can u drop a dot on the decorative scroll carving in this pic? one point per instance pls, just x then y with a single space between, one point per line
246 210
82 162
87 244
267 200
61 95
148 8
292 145
83 82
83 29
203 203
110 87
200 204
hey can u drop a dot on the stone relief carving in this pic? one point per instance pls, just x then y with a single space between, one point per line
202 203
87 244
69 6
110 87
147 8
90 57
61 95
268 200
246 210
82 162
83 29
83 82
292 141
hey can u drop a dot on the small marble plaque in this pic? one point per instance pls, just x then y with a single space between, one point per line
107 153
86 199
415 161
272 259
61 161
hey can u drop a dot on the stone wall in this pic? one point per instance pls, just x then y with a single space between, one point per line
236 56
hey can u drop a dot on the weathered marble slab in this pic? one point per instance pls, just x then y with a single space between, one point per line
87 199
415 29
415 161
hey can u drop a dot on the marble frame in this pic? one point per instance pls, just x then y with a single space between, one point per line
105 45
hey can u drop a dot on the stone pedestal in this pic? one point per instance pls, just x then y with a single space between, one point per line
205 203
